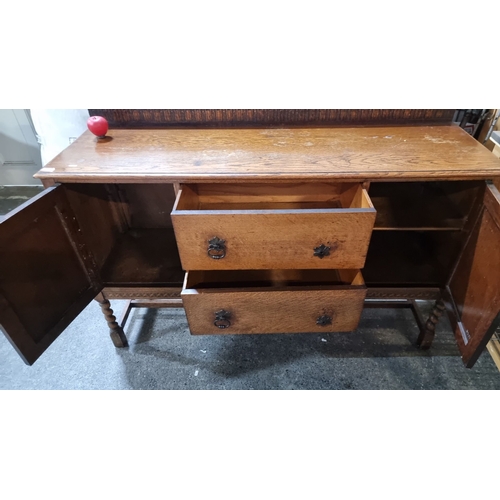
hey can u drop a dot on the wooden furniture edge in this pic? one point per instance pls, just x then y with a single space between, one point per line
51 179
493 347
235 155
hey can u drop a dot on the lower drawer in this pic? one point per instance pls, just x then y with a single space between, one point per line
273 301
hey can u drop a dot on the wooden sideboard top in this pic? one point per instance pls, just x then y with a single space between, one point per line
274 154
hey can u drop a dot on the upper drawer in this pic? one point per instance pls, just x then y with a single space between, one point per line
265 226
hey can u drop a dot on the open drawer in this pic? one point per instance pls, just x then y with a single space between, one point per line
273 301
284 226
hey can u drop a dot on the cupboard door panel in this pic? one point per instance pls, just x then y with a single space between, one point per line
47 276
474 288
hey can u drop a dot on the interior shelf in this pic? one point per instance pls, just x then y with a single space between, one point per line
144 257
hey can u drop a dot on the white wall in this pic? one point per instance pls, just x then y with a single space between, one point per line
19 149
57 129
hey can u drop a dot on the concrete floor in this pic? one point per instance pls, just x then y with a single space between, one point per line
11 197
163 355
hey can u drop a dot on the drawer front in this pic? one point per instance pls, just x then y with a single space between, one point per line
311 309
291 238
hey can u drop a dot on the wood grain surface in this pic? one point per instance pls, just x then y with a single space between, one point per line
272 238
46 273
475 284
275 309
263 155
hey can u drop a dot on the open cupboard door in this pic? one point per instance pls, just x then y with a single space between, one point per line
47 276
473 292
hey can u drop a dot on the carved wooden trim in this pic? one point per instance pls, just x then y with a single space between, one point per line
115 330
427 334
75 237
404 293
138 293
142 118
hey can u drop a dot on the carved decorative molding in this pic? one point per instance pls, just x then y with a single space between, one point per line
403 293
142 118
134 293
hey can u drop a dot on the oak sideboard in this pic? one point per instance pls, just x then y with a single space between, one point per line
259 230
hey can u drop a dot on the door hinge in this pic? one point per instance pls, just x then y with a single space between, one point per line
465 333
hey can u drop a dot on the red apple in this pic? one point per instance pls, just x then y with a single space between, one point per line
98 125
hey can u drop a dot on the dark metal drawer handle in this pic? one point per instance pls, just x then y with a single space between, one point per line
216 248
222 319
322 251
324 320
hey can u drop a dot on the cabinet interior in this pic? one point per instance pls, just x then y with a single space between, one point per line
129 231
423 206
420 230
302 196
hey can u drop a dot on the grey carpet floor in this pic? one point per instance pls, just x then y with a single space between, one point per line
163 355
